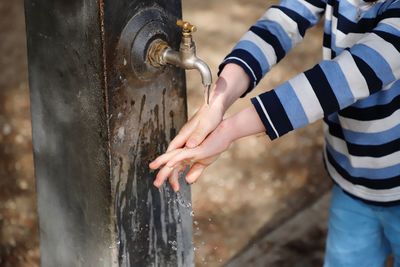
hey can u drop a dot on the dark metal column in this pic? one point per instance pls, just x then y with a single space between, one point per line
99 115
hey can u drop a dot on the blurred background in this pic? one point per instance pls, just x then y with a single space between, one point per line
256 199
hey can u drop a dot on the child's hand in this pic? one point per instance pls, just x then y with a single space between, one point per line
199 157
198 127
232 83
242 124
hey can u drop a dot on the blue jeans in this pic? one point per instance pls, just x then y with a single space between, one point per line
360 234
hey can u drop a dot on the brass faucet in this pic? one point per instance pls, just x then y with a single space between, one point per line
160 54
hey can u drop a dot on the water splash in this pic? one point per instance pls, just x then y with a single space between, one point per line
182 202
174 244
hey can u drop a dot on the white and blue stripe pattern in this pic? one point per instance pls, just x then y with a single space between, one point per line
356 88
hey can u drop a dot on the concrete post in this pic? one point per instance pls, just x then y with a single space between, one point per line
99 115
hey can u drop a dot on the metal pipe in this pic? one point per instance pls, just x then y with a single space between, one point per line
160 54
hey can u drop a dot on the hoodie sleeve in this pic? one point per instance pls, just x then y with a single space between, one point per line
273 36
369 66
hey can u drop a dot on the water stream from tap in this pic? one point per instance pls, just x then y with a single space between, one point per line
207 94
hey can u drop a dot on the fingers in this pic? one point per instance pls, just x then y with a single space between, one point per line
163 159
178 142
183 135
168 171
185 155
195 171
162 175
174 179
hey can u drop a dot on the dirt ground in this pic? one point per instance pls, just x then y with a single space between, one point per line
248 192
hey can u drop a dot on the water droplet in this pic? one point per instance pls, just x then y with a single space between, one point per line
196 223
174 244
192 213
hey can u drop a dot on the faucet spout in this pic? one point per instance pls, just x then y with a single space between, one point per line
186 60
205 72
160 54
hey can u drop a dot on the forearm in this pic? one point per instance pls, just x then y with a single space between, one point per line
370 65
273 36
231 84
242 124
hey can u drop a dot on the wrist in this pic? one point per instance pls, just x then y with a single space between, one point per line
231 84
242 124
227 129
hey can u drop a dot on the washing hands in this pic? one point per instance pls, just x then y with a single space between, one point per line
206 135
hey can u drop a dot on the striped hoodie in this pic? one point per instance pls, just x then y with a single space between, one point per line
355 88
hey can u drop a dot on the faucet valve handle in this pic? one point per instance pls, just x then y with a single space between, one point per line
186 26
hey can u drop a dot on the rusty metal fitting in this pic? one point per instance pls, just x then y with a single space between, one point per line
156 51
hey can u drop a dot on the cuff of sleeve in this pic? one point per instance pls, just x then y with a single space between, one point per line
272 114
262 113
232 58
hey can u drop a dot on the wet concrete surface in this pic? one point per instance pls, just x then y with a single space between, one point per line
250 190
